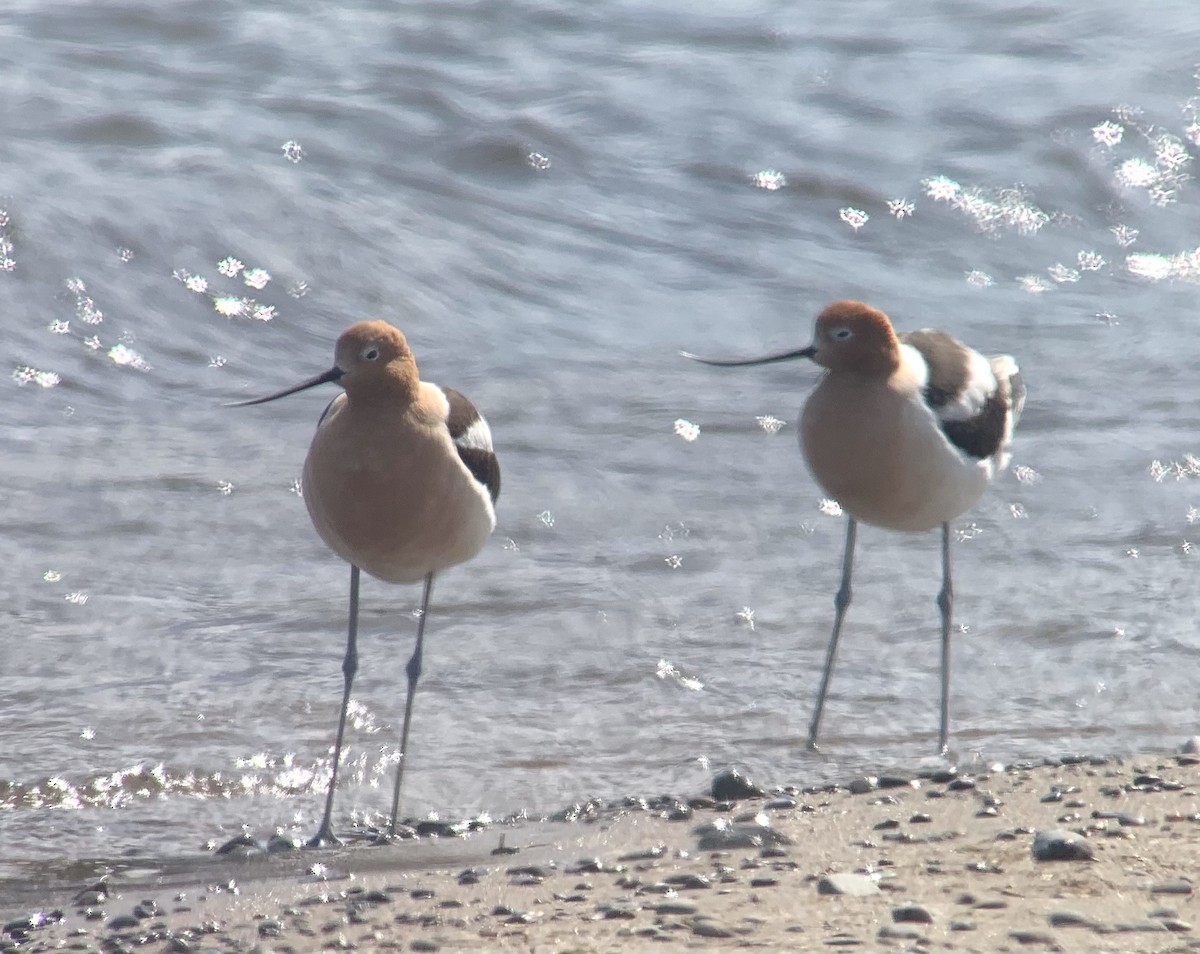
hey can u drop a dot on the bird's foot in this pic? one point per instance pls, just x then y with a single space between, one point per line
394 833
325 838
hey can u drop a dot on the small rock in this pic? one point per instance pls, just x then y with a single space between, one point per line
471 875
847 883
677 906
270 928
1171 887
780 803
897 781
1191 746
425 944
689 882
1032 937
707 927
860 786
913 913
123 922
960 924
887 824
731 785
240 846
887 932
1058 844
920 818
1070 919
1176 925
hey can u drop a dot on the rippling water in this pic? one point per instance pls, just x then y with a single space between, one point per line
552 199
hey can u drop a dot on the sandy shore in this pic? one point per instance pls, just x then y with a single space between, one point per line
943 863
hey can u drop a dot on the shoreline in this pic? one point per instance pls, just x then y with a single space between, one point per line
878 861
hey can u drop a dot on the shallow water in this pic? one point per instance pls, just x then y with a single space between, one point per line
552 200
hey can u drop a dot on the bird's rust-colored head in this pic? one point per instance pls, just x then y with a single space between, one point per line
853 336
374 359
849 336
371 360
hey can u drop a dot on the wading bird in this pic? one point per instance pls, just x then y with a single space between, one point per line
400 481
905 432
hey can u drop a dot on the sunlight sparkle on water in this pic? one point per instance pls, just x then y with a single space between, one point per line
746 615
229 267
1034 284
256 278
900 208
547 518
1185 266
769 179
1108 133
978 279
855 218
1125 236
687 430
23 375
769 423
292 151
831 508
127 357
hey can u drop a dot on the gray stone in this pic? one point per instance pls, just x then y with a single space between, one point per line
889 933
1171 887
731 785
1070 919
678 906
1032 937
1057 844
913 913
707 927
847 883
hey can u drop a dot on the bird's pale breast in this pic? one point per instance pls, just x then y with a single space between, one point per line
392 495
882 456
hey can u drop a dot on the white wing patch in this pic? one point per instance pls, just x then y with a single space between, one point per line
978 387
478 436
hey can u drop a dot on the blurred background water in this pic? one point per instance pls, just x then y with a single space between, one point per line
551 198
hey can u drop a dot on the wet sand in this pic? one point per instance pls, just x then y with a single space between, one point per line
943 862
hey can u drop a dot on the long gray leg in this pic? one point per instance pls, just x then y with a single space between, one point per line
414 672
325 835
945 602
840 602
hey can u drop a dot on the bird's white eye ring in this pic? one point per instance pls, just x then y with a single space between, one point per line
842 334
370 353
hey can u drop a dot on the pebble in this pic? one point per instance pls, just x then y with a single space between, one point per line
960 924
847 883
912 913
1058 844
471 875
731 785
961 784
424 944
1033 937
1070 919
1171 887
676 906
897 781
863 785
920 818
780 803
887 932
1176 925
689 882
707 927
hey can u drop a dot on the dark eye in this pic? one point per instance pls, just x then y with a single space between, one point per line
842 334
370 353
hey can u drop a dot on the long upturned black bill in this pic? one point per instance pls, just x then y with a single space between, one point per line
806 352
331 375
